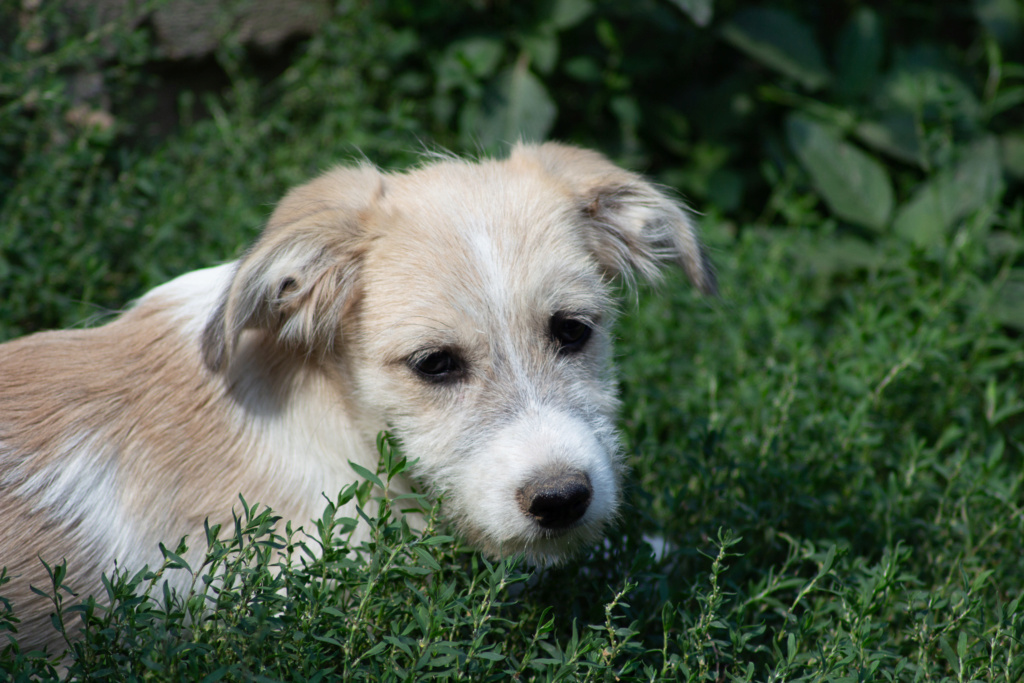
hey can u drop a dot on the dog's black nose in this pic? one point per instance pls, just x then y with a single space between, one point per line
558 501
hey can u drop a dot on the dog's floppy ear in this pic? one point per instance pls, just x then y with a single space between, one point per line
632 226
300 277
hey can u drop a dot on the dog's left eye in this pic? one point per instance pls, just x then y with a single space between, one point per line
570 333
439 366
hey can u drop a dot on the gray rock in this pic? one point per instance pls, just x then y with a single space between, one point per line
193 28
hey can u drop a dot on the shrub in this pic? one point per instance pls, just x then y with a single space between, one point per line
826 462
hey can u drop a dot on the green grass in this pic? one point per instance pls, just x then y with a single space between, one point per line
832 452
837 471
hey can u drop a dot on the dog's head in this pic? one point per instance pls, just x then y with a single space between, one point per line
468 307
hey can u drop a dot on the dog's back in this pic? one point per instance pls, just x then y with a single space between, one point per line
117 438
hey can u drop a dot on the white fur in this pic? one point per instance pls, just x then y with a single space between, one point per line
539 439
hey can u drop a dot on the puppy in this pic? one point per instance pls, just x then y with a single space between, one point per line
466 307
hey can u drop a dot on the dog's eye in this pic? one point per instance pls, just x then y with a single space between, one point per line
570 333
438 366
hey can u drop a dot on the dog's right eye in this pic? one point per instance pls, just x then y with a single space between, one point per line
570 333
439 366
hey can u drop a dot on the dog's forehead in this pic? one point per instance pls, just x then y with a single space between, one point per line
477 240
516 203
463 221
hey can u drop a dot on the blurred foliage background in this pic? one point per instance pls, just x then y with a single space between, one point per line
861 119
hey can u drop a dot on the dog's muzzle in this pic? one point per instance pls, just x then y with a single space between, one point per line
558 501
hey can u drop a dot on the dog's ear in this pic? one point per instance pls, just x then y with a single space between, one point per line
632 226
298 280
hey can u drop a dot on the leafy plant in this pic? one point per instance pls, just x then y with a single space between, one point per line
825 462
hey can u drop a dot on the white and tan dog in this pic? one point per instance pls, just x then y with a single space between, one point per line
464 306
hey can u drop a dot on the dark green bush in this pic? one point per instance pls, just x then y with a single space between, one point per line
827 459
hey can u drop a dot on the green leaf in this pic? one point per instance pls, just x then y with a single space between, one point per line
1011 151
426 558
859 52
437 540
1004 100
854 185
542 46
954 661
791 648
467 61
699 11
413 571
400 643
725 189
780 41
931 91
952 194
480 54
366 474
1009 304
174 561
567 13
517 107
843 254
925 219
490 656
826 565
61 570
582 69
216 675
375 650
895 134
627 111
1004 19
